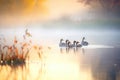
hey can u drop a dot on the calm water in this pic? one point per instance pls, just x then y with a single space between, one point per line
99 61
67 64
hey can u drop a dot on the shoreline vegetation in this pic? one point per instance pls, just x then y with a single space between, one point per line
17 53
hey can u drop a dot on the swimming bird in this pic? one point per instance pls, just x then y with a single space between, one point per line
69 44
77 44
72 45
63 44
84 43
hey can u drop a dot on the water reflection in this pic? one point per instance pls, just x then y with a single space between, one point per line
21 72
67 64
72 50
103 63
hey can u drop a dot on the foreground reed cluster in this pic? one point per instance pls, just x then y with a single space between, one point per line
17 52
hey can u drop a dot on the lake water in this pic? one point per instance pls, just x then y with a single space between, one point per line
98 61
67 64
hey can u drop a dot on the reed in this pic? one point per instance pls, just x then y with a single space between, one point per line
11 54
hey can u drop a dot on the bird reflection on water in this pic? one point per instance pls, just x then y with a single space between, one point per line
73 50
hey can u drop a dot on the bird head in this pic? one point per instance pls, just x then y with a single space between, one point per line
61 39
77 42
67 41
74 42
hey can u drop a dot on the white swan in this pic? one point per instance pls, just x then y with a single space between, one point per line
78 45
72 45
84 43
63 44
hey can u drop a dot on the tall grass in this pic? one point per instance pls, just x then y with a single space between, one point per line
12 54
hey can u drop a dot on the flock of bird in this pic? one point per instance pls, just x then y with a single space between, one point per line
68 44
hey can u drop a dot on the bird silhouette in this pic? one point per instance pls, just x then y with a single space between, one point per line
15 40
27 33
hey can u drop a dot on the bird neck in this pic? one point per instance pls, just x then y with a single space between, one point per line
74 43
69 44
83 39
60 41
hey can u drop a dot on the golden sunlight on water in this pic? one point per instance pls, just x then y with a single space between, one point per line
52 66
65 64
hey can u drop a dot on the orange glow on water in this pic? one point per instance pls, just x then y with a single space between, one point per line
53 66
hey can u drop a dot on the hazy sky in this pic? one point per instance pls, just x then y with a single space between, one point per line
17 12
61 18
